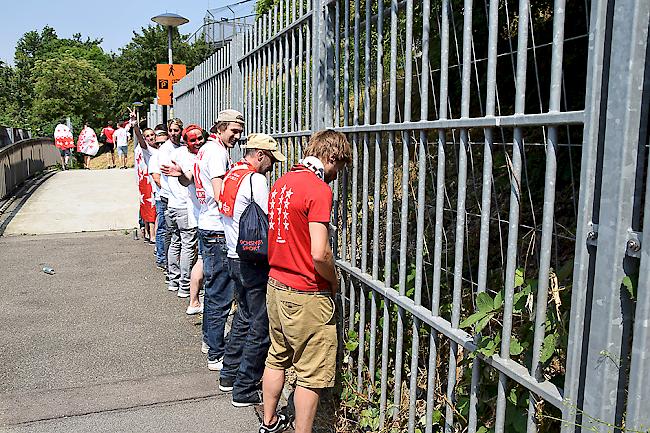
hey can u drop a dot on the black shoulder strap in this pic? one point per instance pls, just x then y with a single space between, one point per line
251 180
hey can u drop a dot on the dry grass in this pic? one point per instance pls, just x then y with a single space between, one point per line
103 160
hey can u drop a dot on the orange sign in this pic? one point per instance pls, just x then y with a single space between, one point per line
167 76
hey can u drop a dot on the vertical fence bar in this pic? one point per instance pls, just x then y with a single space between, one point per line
346 64
364 201
513 218
300 73
376 222
460 212
390 183
549 205
440 196
403 264
493 22
292 87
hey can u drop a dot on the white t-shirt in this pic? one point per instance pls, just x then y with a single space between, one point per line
212 161
121 137
193 204
242 200
163 157
178 194
151 154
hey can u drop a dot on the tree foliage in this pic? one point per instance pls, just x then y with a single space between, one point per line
54 77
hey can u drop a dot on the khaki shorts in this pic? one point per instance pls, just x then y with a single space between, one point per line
302 327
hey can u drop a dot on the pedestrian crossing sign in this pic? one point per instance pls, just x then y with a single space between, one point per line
166 76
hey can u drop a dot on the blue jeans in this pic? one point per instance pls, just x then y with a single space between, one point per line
249 341
218 287
161 255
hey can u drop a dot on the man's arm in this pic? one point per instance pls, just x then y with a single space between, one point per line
175 170
136 129
216 187
321 254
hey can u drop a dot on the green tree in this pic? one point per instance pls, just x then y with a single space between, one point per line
7 99
134 70
69 86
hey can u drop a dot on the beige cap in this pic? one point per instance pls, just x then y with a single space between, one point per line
230 116
264 142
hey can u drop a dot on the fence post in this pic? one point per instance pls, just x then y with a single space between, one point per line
322 65
236 77
598 355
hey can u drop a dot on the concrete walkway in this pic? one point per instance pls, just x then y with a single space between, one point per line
80 201
101 345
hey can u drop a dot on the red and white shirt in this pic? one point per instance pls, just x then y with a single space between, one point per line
296 199
212 161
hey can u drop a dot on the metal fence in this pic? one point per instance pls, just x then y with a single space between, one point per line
490 229
21 160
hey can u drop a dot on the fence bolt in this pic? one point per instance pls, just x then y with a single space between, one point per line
634 245
592 236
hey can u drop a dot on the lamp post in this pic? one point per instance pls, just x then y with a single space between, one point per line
170 21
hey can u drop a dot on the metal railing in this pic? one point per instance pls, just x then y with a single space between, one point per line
490 229
21 160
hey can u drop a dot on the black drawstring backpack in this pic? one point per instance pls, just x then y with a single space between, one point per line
252 244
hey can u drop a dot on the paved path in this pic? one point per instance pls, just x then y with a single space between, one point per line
100 346
80 201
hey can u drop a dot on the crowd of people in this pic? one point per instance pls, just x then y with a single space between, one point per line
89 144
219 228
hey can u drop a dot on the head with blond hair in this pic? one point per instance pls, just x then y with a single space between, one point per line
332 149
175 129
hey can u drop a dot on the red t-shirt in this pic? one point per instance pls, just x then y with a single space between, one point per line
108 132
296 199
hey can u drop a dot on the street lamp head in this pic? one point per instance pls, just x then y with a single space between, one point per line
170 20
138 104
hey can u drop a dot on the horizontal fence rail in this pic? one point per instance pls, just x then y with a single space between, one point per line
469 224
21 160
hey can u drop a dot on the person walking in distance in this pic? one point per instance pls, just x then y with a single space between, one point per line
213 161
121 139
109 144
302 281
245 184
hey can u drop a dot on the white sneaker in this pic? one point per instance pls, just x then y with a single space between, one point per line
215 365
172 288
194 310
204 347
183 294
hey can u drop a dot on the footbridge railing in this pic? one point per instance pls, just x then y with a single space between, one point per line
21 160
490 231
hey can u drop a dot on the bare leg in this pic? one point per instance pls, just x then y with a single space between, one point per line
272 384
113 158
62 163
196 281
306 401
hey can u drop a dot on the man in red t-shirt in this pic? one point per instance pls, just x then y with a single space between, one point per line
109 145
302 281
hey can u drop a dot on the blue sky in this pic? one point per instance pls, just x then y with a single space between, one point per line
114 20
